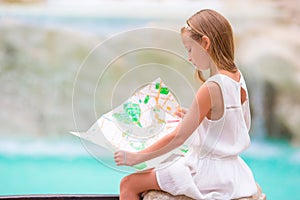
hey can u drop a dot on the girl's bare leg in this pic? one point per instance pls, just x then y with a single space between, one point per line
134 184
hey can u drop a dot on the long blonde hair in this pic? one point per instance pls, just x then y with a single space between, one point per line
217 28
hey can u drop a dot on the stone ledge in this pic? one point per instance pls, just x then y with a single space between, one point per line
161 195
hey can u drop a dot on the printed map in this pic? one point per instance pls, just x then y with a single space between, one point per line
146 116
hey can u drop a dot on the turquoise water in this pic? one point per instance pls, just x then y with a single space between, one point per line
276 167
65 167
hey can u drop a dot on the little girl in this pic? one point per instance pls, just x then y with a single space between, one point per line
218 119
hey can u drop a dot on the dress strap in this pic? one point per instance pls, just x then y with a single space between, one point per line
221 83
231 89
217 79
243 83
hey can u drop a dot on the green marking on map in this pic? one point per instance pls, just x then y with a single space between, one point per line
122 117
133 110
138 147
140 166
184 149
162 90
157 85
146 100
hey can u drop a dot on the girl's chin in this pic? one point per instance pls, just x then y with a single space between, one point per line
202 69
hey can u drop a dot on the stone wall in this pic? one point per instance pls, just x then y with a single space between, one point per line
268 50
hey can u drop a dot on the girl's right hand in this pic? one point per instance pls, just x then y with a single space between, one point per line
126 158
181 112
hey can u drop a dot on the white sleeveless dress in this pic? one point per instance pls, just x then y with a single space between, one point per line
212 169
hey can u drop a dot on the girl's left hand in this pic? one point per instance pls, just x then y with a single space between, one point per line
126 158
181 112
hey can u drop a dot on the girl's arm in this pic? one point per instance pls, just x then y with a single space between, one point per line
200 107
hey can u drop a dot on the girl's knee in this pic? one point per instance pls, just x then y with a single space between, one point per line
138 182
125 183
127 190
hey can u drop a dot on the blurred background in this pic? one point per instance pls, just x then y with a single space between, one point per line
52 82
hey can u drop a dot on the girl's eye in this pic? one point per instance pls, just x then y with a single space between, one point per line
189 50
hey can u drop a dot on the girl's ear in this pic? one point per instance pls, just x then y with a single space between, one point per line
205 42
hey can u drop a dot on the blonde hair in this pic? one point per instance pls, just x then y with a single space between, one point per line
217 28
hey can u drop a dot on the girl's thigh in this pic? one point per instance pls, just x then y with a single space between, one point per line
141 181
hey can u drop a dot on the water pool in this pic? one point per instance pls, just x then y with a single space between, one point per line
40 170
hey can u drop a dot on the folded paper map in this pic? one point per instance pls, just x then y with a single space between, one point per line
146 116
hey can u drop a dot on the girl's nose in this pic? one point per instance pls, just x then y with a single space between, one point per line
190 59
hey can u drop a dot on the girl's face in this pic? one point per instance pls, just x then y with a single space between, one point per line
197 55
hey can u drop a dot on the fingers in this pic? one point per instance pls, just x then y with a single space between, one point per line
117 158
181 112
120 158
